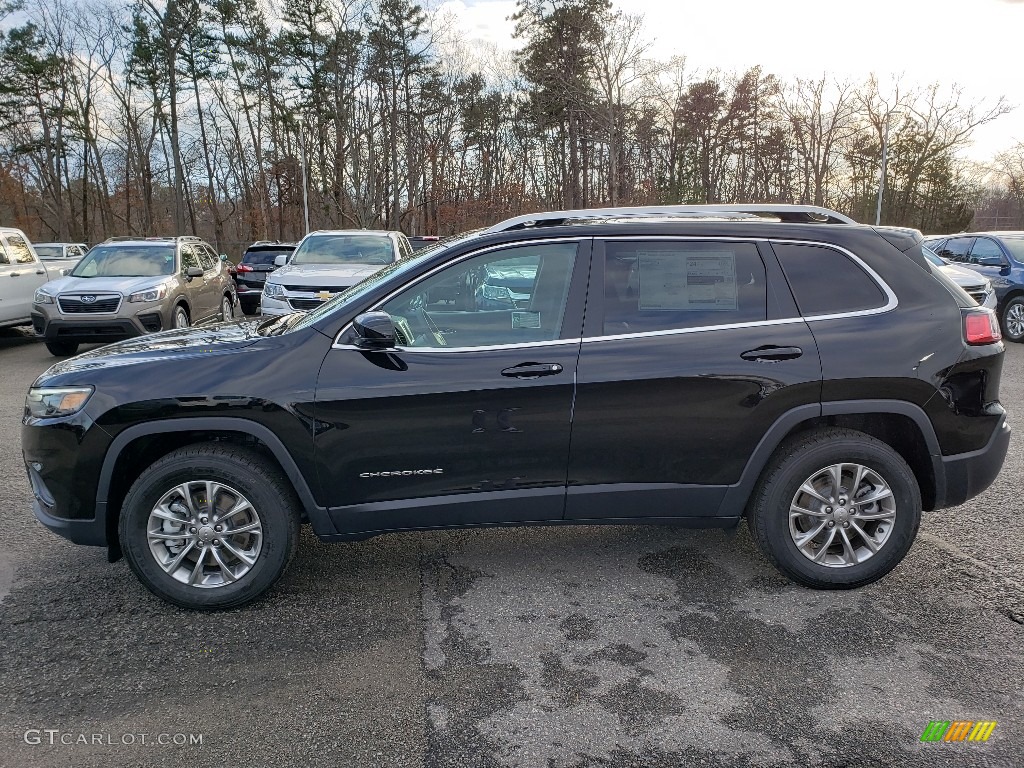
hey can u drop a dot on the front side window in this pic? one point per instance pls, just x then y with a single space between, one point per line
137 260
18 250
513 296
815 271
189 259
665 285
331 248
986 252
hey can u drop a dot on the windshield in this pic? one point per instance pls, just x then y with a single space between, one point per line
1015 245
345 249
136 260
49 252
357 291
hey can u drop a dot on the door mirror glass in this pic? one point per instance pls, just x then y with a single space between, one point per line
374 330
194 272
280 261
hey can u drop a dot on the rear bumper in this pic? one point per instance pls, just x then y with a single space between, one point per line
965 475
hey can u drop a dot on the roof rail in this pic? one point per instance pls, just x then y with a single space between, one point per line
811 214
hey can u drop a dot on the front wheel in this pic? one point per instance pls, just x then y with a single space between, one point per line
181 317
835 509
1013 319
210 526
61 348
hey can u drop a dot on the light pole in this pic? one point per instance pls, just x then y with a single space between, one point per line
881 174
302 162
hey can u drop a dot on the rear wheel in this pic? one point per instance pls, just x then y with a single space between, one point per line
227 308
1013 319
210 526
835 509
61 348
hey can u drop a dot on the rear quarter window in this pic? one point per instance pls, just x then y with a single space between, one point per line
826 281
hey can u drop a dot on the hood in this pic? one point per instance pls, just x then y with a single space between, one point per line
315 275
125 285
963 276
202 340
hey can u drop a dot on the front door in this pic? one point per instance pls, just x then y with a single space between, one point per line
21 273
687 360
467 421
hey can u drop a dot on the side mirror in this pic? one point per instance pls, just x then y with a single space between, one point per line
280 261
223 257
194 272
374 330
990 261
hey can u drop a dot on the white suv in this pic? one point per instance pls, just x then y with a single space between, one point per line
327 262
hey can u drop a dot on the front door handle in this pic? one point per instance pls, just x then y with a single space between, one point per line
772 354
532 370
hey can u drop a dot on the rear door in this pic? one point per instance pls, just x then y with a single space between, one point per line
692 350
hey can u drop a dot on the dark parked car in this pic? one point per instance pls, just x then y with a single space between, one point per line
252 271
999 256
684 365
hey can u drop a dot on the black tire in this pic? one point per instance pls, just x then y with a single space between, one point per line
249 307
179 318
251 474
61 348
797 460
1016 306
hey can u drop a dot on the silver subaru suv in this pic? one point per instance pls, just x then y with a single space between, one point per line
127 287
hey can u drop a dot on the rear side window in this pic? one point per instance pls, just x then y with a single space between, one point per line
956 248
663 285
826 281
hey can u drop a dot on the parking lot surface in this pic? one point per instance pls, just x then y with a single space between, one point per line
556 648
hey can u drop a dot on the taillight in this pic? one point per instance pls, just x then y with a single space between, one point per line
244 268
981 327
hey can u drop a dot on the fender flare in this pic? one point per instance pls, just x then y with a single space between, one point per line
317 515
736 497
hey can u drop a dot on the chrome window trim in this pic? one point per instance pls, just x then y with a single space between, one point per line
500 246
891 300
487 348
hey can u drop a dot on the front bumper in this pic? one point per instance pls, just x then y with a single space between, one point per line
965 475
98 331
274 307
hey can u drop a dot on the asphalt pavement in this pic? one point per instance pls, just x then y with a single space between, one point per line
557 648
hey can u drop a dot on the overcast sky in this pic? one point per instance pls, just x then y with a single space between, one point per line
977 43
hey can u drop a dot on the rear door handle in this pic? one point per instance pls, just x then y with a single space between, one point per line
772 354
532 370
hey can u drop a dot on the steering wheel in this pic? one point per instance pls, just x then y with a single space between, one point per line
432 327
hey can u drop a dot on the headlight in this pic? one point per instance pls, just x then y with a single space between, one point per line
42 297
150 294
273 289
50 402
496 292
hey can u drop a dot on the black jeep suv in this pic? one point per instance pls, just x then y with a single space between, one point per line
680 365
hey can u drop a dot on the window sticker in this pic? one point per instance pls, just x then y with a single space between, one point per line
669 280
525 319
